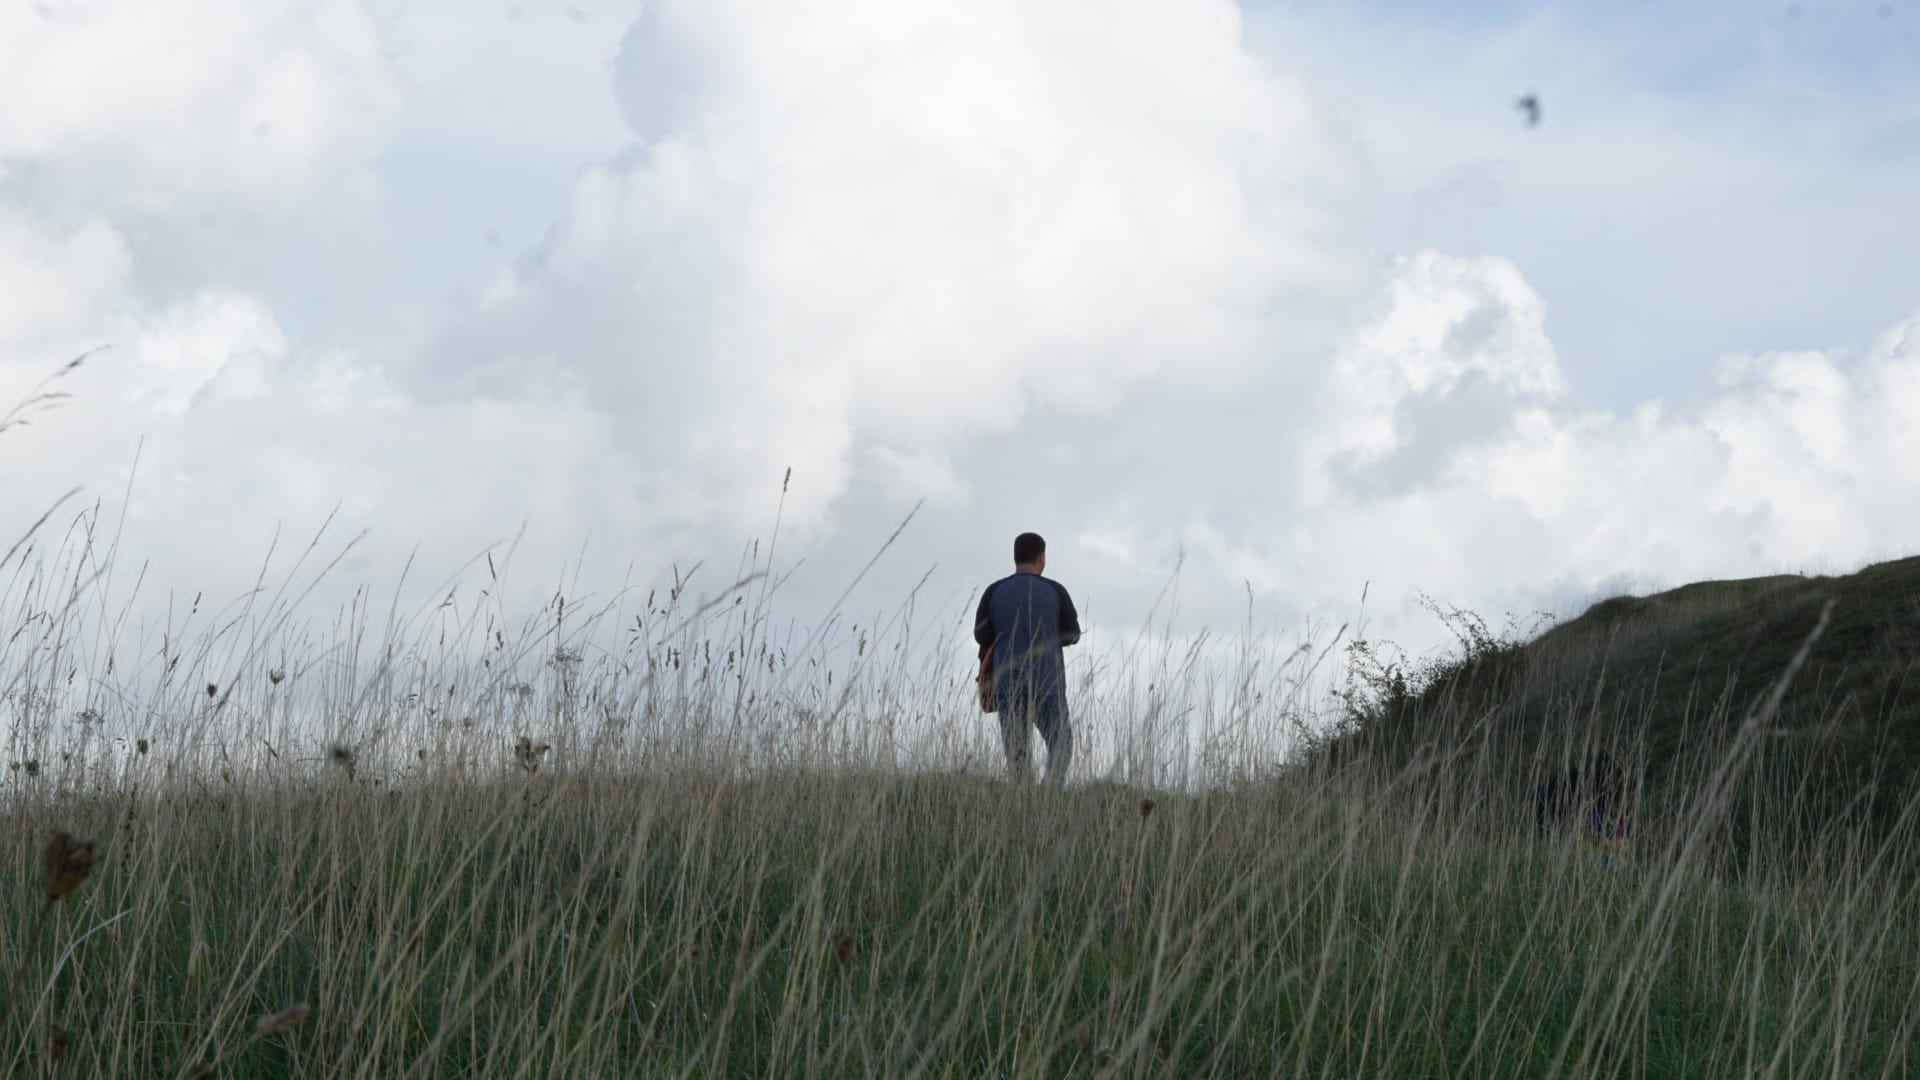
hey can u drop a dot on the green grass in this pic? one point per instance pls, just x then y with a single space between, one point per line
1668 679
724 868
869 924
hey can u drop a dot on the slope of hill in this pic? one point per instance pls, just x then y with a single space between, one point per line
1666 681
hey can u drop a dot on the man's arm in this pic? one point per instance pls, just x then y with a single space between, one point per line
983 632
1069 618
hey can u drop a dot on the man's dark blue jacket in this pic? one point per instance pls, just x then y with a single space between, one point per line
1027 619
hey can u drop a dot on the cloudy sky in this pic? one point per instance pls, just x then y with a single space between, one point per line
1287 296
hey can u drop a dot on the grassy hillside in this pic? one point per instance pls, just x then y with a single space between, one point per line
1667 681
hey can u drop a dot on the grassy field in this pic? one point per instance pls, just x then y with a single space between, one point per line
588 924
356 855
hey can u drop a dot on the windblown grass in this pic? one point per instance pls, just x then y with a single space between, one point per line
498 853
879 924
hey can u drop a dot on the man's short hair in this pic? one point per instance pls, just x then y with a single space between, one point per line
1027 548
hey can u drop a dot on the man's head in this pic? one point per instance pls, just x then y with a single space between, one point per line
1029 553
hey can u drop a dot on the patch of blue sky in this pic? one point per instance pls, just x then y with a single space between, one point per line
1695 162
1687 49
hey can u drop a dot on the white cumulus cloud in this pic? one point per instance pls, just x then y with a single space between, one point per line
879 232
1101 270
143 103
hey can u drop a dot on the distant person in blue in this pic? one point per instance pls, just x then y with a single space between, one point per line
1026 619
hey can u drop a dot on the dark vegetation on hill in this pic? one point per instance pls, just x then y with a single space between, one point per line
1665 683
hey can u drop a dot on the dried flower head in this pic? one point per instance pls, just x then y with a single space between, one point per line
66 862
33 767
528 755
140 746
275 676
343 757
1146 808
282 1022
212 689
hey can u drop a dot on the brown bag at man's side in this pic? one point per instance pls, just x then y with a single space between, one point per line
984 682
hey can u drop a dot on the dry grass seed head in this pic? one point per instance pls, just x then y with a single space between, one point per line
66 862
527 755
282 1022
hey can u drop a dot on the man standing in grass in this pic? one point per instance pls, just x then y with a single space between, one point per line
1026 620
